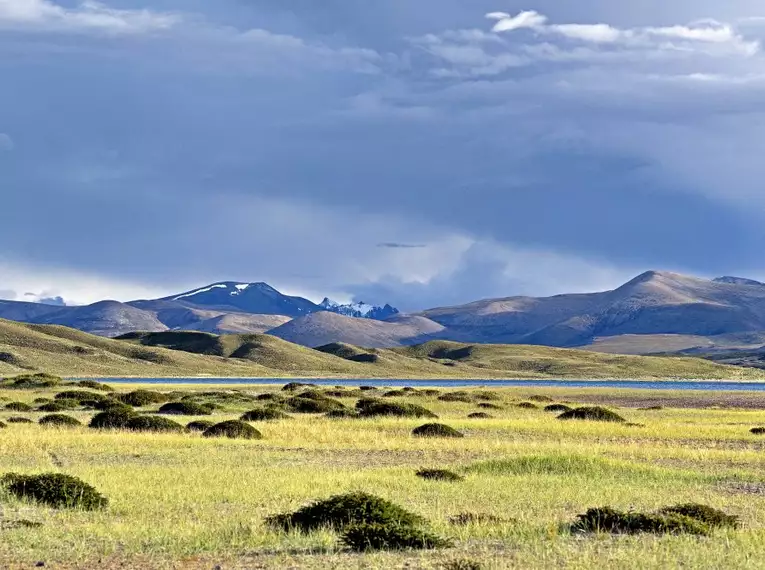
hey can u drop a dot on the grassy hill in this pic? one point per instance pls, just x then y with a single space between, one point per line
68 352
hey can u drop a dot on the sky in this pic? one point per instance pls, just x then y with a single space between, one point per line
417 153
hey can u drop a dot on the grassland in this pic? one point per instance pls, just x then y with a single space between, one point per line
69 352
187 502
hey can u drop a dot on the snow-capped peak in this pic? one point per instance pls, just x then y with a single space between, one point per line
358 309
198 291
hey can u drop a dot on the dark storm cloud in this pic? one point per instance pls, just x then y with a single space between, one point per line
194 142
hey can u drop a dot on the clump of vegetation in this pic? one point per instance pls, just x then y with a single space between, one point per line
233 429
199 425
108 404
80 396
439 475
456 397
59 420
367 388
715 518
18 407
57 406
93 385
112 419
363 537
32 381
322 405
480 416
757 431
430 392
487 406
269 396
369 407
463 564
185 409
592 413
465 519
541 399
19 420
3 425
436 430
141 398
41 400
263 415
527 406
54 490
395 394
295 386
153 424
652 408
558 408
340 511
671 520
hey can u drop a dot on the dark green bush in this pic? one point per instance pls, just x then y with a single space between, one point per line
342 414
456 397
541 399
18 407
80 396
54 490
270 396
29 381
185 409
263 415
57 406
339 511
365 536
93 385
527 406
233 429
18 420
108 404
394 394
153 424
59 420
487 406
112 419
710 516
141 398
439 475
479 416
372 408
294 386
436 430
558 408
367 388
593 413
606 519
463 564
430 392
42 400
199 425
757 431
313 406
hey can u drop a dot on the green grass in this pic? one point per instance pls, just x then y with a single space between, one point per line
185 501
64 351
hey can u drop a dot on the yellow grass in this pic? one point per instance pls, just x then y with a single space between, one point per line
183 501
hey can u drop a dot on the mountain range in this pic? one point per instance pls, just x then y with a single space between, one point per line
654 312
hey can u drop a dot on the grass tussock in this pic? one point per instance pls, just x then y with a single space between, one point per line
439 475
592 413
185 409
370 407
141 398
154 424
18 407
364 537
558 408
436 430
19 420
112 419
59 420
263 415
233 429
199 425
54 490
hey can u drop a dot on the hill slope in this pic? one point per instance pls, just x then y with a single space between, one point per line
68 352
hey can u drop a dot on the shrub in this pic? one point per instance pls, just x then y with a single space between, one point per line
703 513
109 404
59 420
199 425
313 406
757 431
487 406
480 416
55 490
436 430
294 386
430 392
41 400
185 409
342 414
269 397
394 394
18 420
93 385
558 408
594 413
263 415
541 399
439 475
18 407
456 397
112 419
374 408
2 425
367 388
233 429
487 396
361 537
153 424
141 398
40 380
463 564
80 396
606 519
340 511
527 406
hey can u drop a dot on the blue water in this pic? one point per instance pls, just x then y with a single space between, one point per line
630 384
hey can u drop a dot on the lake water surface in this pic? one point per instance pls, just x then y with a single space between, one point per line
452 383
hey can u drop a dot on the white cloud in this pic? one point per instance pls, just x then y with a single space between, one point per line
527 19
598 33
89 16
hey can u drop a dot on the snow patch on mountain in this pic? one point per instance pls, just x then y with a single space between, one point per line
198 291
359 310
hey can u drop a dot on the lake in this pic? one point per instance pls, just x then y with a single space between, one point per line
451 383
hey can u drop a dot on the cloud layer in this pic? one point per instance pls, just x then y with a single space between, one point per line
418 153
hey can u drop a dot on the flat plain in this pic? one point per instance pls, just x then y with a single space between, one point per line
184 501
